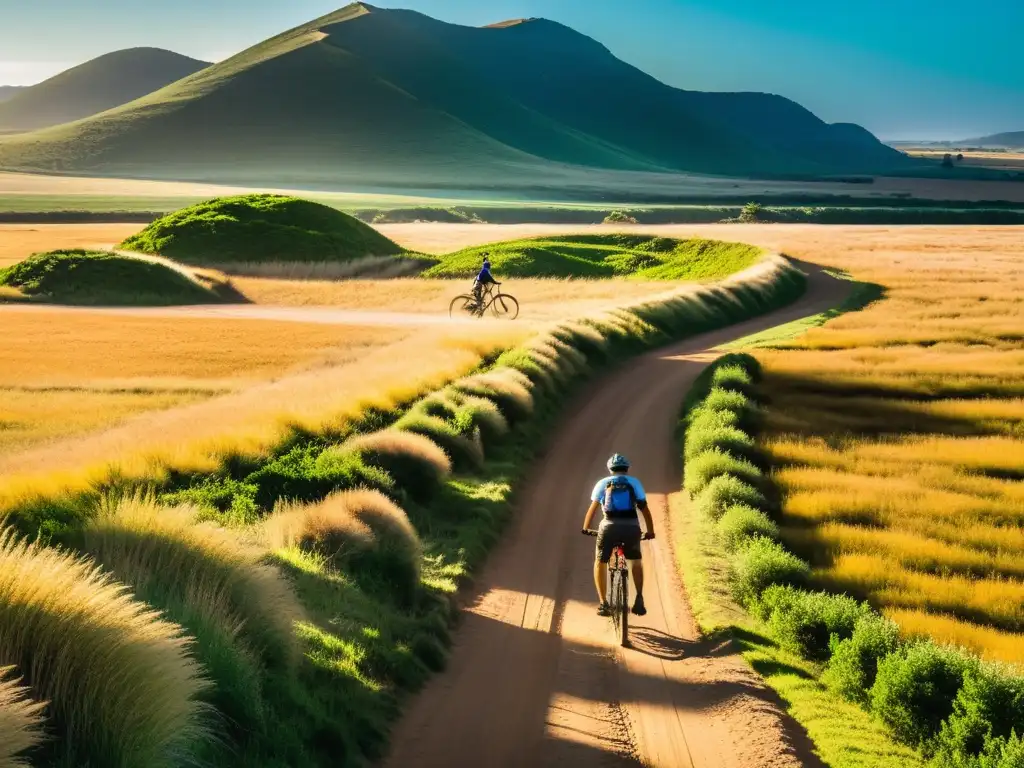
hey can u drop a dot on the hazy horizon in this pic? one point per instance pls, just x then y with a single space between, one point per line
897 68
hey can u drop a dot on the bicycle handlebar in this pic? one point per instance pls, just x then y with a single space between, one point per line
588 532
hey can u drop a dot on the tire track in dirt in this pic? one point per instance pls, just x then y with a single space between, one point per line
535 677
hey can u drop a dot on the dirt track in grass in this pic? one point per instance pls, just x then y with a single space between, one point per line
536 677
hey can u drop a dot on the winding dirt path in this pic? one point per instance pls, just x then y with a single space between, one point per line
536 678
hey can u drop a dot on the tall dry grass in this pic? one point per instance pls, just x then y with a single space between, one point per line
897 432
123 687
21 720
166 556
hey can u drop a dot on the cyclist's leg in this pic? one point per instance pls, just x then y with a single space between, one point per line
602 554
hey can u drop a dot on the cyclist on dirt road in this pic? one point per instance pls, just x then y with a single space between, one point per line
619 496
484 277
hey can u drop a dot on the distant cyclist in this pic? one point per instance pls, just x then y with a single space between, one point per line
484 277
619 496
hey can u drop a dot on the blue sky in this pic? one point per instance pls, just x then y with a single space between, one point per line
902 68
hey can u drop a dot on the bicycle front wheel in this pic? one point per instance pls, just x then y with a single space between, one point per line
505 307
461 306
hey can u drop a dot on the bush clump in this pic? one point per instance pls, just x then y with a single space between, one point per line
725 491
762 563
988 715
465 450
714 463
809 623
915 689
417 464
741 523
619 217
854 664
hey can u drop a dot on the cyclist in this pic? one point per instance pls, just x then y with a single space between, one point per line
619 496
484 277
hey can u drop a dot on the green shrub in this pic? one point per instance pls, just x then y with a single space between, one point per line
733 378
807 623
483 414
854 664
714 463
706 434
986 710
417 464
915 689
305 475
741 523
619 217
465 451
762 563
723 492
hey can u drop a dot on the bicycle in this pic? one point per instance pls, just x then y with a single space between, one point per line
618 592
504 306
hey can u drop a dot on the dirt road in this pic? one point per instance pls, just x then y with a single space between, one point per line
535 677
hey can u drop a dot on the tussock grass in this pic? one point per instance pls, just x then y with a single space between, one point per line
328 529
122 685
21 720
416 462
169 558
464 450
508 388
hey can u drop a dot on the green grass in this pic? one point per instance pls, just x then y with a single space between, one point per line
101 278
601 256
258 228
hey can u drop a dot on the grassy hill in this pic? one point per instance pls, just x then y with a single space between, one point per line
395 98
601 256
95 86
260 228
101 278
9 91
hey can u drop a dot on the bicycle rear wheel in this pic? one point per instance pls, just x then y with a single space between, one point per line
461 305
623 607
505 307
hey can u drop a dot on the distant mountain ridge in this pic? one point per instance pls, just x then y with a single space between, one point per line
396 97
1009 140
97 85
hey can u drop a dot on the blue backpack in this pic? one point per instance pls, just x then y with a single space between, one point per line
620 498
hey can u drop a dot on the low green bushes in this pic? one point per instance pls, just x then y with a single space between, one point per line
960 712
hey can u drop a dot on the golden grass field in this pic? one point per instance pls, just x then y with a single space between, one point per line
899 435
66 372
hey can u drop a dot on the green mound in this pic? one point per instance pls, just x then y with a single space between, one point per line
601 256
260 228
100 278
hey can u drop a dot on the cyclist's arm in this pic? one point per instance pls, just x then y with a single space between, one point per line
589 517
646 510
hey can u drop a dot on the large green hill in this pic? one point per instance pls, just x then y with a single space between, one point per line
93 87
395 98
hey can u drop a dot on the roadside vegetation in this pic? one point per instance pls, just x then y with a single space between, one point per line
826 652
353 535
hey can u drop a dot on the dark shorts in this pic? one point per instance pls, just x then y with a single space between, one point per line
611 535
